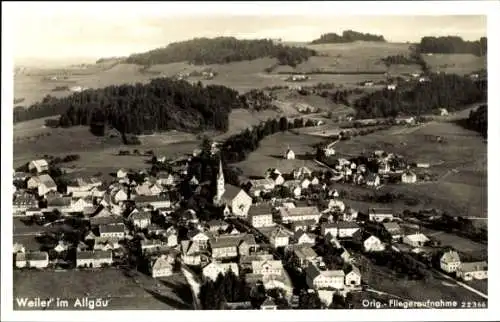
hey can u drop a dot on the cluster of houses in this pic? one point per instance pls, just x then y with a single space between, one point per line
216 247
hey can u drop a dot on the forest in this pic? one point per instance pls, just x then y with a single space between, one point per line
453 45
163 104
478 120
222 50
442 91
347 36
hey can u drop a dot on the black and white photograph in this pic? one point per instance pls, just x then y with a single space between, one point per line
175 158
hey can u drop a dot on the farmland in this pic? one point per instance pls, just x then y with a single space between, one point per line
123 289
455 63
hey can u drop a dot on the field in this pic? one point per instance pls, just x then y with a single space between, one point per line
271 150
123 289
455 63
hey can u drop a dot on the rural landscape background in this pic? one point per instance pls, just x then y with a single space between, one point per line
108 113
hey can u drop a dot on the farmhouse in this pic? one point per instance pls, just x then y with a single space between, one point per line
212 270
450 261
161 267
260 216
94 258
473 270
38 166
373 244
408 177
380 214
299 214
321 279
43 183
415 240
32 259
289 154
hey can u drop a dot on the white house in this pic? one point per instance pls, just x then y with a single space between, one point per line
380 214
289 154
32 259
299 214
415 240
391 87
304 255
473 270
408 177
121 173
140 219
161 267
43 183
450 261
38 166
305 183
94 258
277 178
321 279
112 231
267 268
373 244
260 216
352 277
341 229
336 204
190 253
212 270
301 237
280 237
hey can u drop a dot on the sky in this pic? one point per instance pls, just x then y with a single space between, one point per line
74 34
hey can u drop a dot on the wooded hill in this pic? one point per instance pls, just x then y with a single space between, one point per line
222 50
453 45
347 36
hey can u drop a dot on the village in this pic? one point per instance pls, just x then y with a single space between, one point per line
287 231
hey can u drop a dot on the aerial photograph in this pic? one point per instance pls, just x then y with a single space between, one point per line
250 163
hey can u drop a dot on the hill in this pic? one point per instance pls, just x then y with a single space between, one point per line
162 104
221 50
346 37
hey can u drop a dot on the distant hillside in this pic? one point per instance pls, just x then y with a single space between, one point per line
453 45
222 50
347 36
163 104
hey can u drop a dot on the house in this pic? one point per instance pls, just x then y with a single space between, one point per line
299 213
380 214
166 179
42 183
393 229
279 237
335 204
341 229
301 237
32 259
58 203
268 304
82 185
18 248
277 178
38 166
215 225
289 154
408 177
304 255
305 183
106 243
472 270
96 258
321 279
373 244
423 165
247 245
224 247
89 236
61 246
153 245
194 181
161 267
112 231
443 112
352 276
372 180
103 217
415 240
81 204
350 214
384 167
267 268
140 219
121 173
191 253
118 196
200 238
294 187
391 87
261 185
260 216
212 270
450 261
304 225
172 237
24 201
301 173
154 201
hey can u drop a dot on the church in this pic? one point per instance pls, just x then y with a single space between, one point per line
235 200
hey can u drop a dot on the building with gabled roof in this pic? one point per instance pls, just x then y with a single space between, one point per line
32 259
472 270
299 214
324 279
38 166
261 216
450 261
96 258
160 267
42 183
380 214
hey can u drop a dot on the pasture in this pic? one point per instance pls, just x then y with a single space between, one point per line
455 63
272 149
124 289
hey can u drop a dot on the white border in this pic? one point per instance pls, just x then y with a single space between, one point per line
9 9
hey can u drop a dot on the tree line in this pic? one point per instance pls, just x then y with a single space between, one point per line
478 120
162 104
222 50
453 45
347 36
214 295
442 91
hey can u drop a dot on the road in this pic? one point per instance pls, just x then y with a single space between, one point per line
194 283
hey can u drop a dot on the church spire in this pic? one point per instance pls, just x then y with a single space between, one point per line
220 184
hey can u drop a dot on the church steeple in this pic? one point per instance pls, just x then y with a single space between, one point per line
220 184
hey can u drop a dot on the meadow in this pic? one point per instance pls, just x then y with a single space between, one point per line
455 63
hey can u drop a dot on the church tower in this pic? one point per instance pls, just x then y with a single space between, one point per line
220 184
